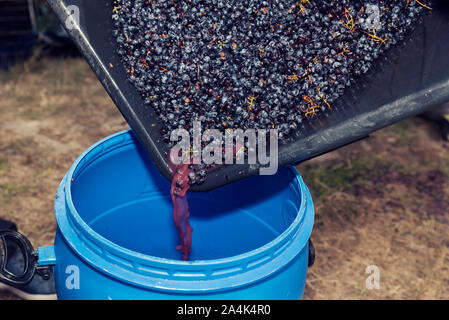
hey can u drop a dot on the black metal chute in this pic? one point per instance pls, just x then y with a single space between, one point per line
406 81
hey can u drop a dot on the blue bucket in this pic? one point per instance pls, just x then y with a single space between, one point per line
116 237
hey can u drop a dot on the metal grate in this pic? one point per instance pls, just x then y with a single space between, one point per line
16 19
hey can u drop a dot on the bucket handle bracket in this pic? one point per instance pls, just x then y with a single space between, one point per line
30 259
311 259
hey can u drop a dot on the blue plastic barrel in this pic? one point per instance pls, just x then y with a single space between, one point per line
116 237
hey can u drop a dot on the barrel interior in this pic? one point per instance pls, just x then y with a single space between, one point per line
123 197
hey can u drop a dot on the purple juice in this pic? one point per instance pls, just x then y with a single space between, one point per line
179 187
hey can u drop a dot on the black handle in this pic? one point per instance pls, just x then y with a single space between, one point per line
30 259
311 254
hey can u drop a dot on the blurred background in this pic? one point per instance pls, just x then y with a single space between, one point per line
382 201
27 26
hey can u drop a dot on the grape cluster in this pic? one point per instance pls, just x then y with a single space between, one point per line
252 63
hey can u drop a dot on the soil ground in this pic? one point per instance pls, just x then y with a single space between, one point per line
383 201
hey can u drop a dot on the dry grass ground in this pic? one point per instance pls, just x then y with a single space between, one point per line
383 201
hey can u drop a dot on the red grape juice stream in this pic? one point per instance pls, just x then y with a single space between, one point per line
179 187
178 192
